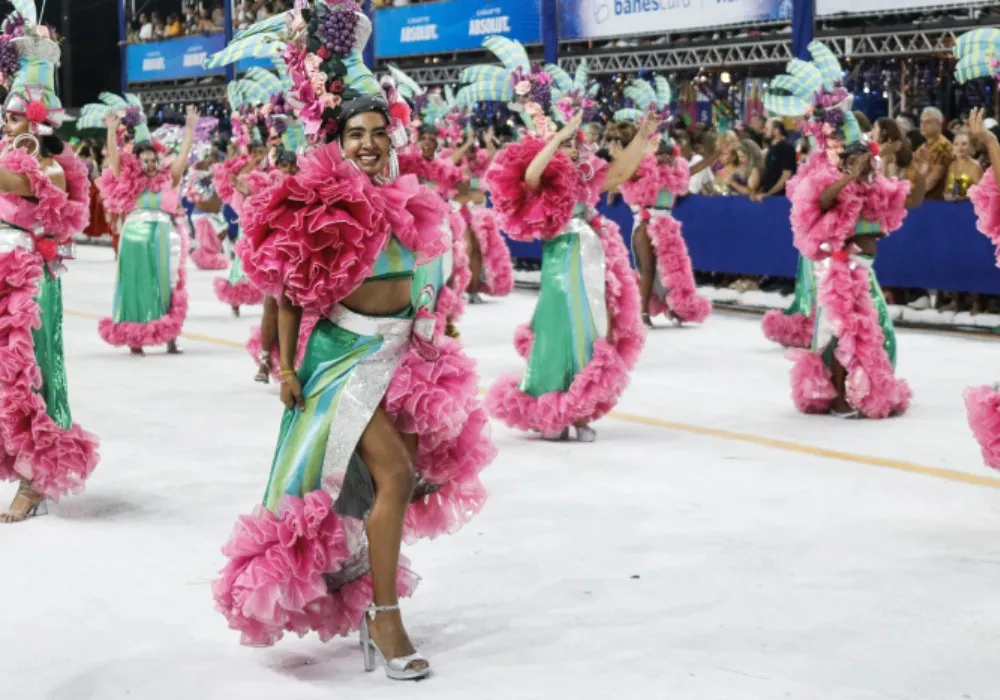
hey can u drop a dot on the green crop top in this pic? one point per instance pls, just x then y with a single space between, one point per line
395 262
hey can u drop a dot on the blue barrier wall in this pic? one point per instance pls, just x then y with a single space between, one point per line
173 59
938 247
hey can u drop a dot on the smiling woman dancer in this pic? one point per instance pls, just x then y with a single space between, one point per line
586 333
384 435
44 201
150 302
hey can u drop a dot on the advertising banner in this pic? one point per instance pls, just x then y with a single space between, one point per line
457 25
595 19
847 7
174 59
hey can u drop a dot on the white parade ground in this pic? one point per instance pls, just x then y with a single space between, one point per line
712 545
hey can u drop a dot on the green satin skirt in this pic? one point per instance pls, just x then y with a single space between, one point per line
142 289
563 324
48 341
805 289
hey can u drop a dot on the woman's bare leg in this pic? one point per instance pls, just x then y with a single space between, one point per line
475 261
646 262
389 461
840 404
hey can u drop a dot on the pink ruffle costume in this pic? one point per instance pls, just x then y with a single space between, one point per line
852 320
41 444
235 290
208 226
442 176
793 327
650 193
150 302
982 403
498 268
589 316
299 562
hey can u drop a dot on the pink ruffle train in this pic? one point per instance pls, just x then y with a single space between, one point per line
273 581
790 330
872 388
497 263
208 255
158 332
596 389
982 405
56 461
673 264
243 293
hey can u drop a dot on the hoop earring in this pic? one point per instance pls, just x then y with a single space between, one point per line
31 139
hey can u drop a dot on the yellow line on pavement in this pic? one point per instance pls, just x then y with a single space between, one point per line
719 433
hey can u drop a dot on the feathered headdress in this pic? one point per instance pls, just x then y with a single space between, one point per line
814 90
978 54
649 98
321 42
28 60
572 95
525 87
128 108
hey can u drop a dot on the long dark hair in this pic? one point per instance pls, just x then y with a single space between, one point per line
889 130
50 146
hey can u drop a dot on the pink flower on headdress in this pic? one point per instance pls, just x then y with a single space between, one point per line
42 32
36 112
265 110
523 88
330 101
543 78
312 62
298 22
318 82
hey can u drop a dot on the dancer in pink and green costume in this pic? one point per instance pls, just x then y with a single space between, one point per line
586 333
150 298
44 202
841 207
666 277
384 435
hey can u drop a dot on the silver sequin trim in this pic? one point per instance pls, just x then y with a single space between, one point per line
11 238
592 259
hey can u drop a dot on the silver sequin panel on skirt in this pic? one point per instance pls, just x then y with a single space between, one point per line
592 259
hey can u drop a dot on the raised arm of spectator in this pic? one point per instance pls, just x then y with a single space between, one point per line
918 186
113 120
181 161
624 166
979 131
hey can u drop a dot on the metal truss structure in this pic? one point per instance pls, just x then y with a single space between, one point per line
769 50
158 93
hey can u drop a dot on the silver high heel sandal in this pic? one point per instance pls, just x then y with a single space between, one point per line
585 433
395 669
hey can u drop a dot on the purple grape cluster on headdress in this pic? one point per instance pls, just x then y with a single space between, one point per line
337 28
276 125
132 117
8 58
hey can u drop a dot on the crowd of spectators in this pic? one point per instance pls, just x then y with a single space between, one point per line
194 18
246 12
757 159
